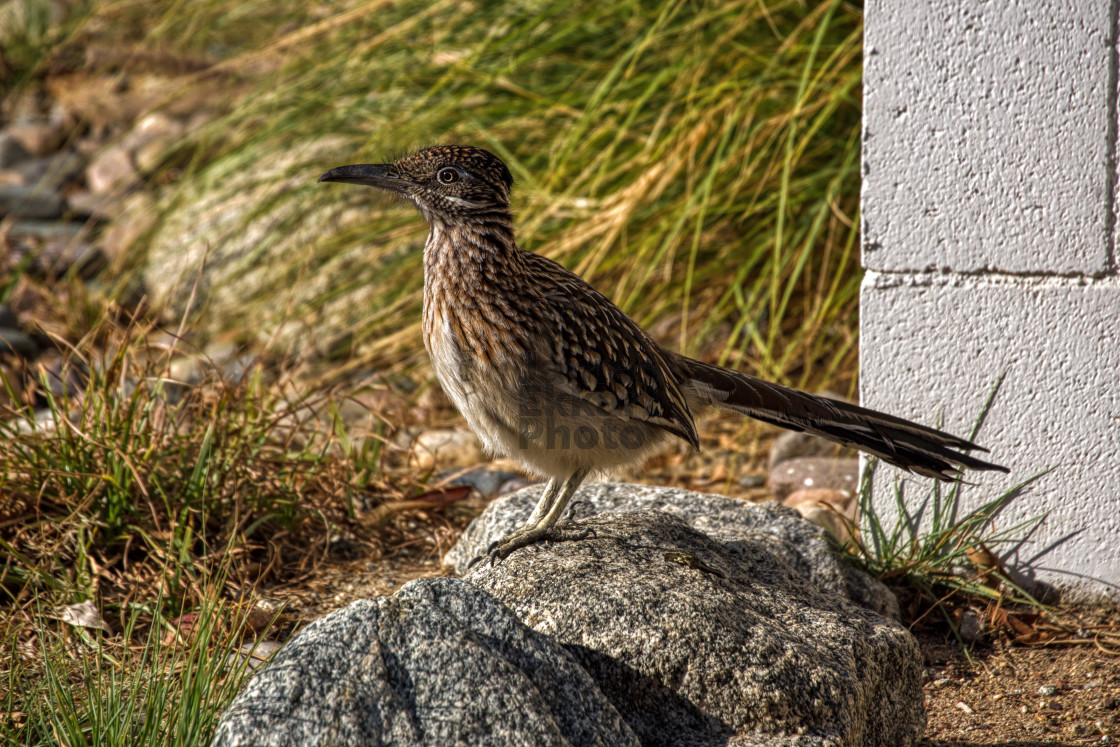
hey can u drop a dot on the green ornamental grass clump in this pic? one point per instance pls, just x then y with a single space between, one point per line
698 162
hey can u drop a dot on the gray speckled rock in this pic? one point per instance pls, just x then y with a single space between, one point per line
800 473
731 522
701 642
438 663
29 202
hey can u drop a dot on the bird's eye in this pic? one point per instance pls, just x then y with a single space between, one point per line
448 175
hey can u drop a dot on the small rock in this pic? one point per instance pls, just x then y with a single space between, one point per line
151 137
44 422
12 152
486 481
815 472
23 201
54 171
155 126
150 155
111 169
842 502
15 342
752 481
135 219
517 483
446 446
256 652
39 138
42 231
1047 690
63 380
942 682
57 257
972 625
793 444
832 510
1078 730
102 207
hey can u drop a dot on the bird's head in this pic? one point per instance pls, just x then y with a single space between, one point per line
449 183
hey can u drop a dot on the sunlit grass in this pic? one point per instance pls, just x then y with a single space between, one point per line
939 552
68 685
698 162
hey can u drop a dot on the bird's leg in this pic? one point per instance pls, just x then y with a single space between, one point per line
556 509
547 498
542 524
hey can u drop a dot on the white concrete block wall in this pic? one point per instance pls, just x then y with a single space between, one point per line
989 238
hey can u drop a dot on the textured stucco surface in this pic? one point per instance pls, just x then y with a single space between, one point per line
989 233
1058 408
987 136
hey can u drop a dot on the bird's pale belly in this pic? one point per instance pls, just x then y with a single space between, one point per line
550 431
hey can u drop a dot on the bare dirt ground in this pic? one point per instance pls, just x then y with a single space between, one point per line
1023 695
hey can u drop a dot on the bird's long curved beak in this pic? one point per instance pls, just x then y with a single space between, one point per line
367 174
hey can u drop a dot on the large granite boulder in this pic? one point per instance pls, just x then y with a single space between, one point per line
731 522
649 631
697 641
438 663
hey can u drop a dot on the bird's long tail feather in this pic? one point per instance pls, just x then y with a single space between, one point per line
917 448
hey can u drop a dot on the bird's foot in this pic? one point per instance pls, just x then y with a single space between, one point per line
502 549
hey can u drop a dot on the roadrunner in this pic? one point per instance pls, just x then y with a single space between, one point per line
547 371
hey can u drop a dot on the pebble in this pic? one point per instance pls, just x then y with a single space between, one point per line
12 152
1047 690
752 481
23 201
53 171
257 653
15 342
832 473
794 444
136 217
517 483
111 169
155 126
832 510
39 138
44 422
447 446
150 155
486 481
972 625
102 207
41 230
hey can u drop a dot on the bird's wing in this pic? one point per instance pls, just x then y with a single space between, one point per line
604 356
